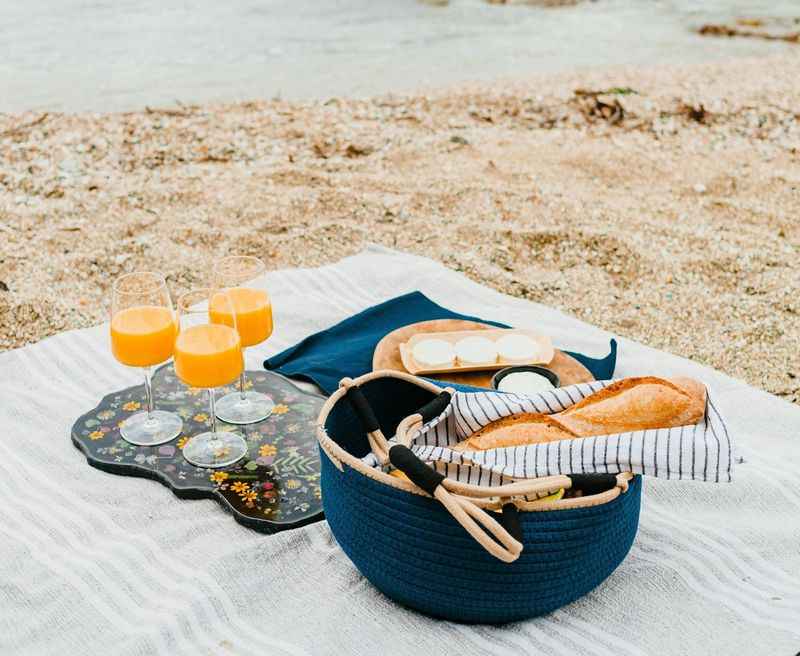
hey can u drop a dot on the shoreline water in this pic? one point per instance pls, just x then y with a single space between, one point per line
663 209
107 56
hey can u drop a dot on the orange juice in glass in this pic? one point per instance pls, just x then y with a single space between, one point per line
253 314
238 275
208 353
143 335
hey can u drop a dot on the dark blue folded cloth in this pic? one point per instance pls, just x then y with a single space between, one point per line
346 349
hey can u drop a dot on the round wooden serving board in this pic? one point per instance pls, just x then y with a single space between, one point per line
387 355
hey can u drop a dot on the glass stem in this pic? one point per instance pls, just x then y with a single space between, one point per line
213 410
241 380
148 391
241 386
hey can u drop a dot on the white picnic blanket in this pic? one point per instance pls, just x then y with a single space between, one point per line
92 563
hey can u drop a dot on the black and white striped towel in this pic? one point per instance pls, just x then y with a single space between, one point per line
702 451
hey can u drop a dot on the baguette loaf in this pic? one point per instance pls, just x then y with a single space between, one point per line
628 405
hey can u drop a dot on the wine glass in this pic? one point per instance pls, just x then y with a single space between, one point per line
253 310
209 354
143 335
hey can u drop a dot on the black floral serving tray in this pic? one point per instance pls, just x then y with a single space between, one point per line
273 488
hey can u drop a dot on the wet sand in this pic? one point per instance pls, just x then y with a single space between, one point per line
666 209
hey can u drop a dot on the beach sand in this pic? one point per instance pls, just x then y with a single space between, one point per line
666 210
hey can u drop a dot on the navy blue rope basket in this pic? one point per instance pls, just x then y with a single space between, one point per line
404 537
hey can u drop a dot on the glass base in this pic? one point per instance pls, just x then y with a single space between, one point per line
159 428
233 409
214 450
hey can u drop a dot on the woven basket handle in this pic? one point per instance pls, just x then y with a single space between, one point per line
369 422
484 528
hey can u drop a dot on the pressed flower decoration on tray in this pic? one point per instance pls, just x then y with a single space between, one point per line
275 486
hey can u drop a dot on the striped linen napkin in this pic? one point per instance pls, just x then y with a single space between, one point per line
702 451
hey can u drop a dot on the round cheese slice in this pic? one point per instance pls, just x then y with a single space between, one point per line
476 350
524 382
434 353
517 348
